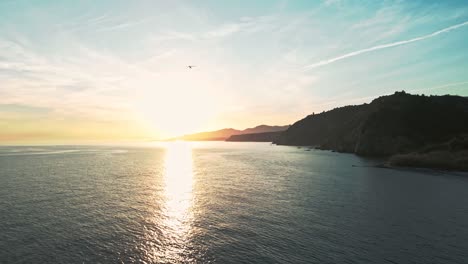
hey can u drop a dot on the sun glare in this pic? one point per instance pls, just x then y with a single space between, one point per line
183 105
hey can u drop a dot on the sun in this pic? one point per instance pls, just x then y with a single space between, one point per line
180 101
173 113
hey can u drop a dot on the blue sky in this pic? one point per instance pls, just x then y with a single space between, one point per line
84 70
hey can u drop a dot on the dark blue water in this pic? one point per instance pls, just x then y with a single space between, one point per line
224 203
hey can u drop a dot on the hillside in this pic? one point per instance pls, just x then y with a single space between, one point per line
452 155
263 129
223 134
395 124
255 137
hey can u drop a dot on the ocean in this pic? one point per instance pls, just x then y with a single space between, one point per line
224 202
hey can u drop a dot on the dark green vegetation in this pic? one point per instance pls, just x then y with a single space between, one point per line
414 130
451 155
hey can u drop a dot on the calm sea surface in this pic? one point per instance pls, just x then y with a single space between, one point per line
224 203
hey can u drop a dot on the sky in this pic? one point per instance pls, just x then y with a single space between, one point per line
107 71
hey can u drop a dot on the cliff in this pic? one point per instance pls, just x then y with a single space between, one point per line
396 124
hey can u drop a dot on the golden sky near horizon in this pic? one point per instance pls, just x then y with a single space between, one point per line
115 71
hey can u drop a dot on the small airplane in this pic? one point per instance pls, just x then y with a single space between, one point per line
191 66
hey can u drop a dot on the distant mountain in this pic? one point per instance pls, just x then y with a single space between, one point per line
256 137
396 124
223 134
264 129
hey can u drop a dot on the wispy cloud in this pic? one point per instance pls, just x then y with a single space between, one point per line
31 79
123 25
244 25
383 46
454 84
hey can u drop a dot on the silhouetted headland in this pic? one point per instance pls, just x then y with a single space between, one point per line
224 134
256 137
411 130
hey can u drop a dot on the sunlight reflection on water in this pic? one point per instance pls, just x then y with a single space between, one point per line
177 210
